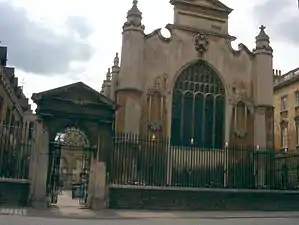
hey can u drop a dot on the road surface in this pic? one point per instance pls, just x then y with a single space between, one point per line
23 220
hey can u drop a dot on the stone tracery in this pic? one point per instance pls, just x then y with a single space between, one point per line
156 103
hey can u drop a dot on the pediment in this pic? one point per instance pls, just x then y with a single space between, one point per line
211 4
78 92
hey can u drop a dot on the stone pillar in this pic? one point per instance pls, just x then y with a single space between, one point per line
261 157
39 168
228 117
97 197
170 150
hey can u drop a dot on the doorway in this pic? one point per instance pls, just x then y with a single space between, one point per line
69 168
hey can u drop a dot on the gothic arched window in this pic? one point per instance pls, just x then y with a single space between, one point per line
198 108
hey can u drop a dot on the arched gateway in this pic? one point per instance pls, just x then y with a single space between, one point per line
198 107
76 119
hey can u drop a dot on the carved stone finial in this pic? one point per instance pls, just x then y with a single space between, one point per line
116 60
201 43
134 11
134 17
262 28
262 41
108 75
262 35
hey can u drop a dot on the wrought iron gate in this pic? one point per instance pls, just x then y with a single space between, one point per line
53 184
84 176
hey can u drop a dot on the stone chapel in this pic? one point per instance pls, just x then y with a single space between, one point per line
193 87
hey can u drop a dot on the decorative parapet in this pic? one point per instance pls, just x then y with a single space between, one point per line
285 79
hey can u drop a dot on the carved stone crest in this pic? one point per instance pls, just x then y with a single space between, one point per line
155 126
201 43
240 133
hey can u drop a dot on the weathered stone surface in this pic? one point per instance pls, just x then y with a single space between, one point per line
176 199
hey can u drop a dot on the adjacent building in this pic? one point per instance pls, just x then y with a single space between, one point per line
16 124
13 103
286 104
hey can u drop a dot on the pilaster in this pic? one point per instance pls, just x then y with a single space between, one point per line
260 132
128 116
98 193
39 168
228 116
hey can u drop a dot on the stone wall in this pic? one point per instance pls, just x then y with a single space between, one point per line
202 199
14 192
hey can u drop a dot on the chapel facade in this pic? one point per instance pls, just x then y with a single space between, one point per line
193 87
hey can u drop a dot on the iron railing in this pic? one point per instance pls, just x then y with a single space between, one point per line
15 149
138 160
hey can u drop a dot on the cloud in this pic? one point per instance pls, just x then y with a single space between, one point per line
35 48
79 25
281 18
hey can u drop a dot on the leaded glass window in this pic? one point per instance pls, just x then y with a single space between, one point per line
198 108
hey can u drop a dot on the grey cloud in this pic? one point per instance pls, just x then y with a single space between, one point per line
37 49
79 25
277 16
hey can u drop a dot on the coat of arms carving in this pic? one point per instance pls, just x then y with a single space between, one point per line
201 43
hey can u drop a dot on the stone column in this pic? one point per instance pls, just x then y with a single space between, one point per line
39 168
97 198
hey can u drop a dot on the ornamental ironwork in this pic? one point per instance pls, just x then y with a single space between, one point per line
72 137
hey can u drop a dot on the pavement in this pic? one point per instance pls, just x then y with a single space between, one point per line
69 209
15 220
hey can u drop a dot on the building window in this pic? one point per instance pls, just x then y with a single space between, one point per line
284 137
297 98
198 108
283 103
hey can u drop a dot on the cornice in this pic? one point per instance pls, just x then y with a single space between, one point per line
193 30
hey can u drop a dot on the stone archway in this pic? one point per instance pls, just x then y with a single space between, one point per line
72 106
75 145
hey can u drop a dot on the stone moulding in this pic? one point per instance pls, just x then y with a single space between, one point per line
158 33
241 48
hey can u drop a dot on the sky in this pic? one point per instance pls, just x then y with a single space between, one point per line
57 42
